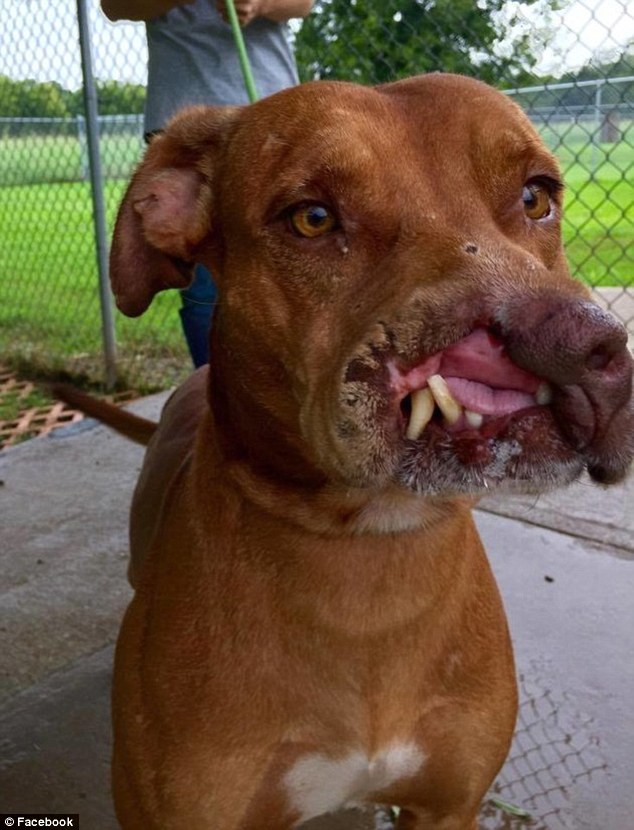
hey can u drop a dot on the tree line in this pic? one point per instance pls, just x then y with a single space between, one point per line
34 99
373 41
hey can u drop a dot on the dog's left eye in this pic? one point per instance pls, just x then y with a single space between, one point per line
537 201
312 220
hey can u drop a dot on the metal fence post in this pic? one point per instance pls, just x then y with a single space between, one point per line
96 182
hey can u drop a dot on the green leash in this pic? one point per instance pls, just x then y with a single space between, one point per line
242 52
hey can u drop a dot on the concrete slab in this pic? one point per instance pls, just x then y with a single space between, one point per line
64 502
569 605
604 515
56 745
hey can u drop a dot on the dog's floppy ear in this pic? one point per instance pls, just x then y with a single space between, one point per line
167 211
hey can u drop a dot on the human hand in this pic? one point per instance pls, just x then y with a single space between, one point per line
246 10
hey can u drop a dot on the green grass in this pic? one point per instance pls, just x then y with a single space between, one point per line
49 308
12 403
44 159
599 209
49 300
599 229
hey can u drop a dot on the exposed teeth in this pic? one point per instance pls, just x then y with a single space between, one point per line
474 419
422 409
544 394
437 393
447 404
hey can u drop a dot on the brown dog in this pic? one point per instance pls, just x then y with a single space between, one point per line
315 623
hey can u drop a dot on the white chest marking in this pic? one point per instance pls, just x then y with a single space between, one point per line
317 784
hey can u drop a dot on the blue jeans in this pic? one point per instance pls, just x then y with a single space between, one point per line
198 303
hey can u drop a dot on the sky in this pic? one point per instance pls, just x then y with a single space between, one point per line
40 41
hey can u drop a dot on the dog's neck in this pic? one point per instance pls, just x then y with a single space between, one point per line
308 500
255 418
400 551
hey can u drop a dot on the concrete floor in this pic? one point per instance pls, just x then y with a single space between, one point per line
565 565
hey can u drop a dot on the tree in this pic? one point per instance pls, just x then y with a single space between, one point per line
9 98
372 41
113 98
117 98
22 99
28 98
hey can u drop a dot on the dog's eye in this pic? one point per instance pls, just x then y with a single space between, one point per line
537 202
312 220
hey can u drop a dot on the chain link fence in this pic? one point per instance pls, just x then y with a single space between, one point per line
568 63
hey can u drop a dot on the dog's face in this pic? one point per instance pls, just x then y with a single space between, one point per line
395 303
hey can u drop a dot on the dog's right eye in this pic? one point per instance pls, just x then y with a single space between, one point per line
311 220
537 200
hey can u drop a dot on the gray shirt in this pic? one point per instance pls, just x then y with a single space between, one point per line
193 60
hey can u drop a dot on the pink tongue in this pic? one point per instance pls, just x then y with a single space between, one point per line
478 397
480 356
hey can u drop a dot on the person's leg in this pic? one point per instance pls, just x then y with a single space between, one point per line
197 307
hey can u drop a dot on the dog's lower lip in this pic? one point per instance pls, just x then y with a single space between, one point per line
510 447
492 427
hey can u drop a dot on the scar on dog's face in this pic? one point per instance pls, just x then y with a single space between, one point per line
395 300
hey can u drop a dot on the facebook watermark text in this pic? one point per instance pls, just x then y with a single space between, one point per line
39 820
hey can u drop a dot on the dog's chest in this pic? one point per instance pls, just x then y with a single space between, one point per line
317 784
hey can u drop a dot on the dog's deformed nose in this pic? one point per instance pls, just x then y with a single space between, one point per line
582 351
570 343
